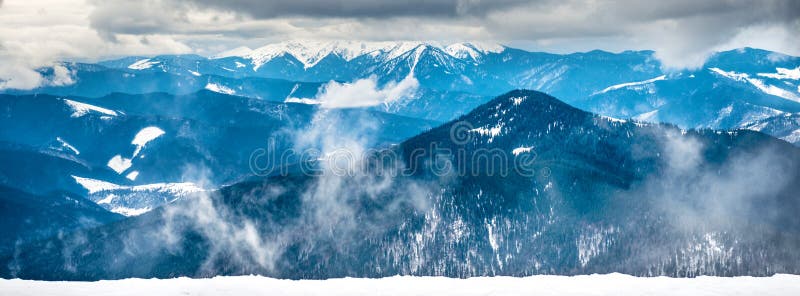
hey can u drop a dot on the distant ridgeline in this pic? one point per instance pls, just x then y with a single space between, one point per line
523 184
745 88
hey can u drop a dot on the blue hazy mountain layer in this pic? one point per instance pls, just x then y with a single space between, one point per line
49 143
593 195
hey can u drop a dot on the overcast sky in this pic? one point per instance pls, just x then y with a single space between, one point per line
682 32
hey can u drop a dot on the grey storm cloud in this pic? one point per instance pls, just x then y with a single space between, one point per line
359 8
499 19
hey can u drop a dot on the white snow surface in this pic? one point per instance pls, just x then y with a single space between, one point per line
119 164
146 135
94 185
132 175
604 284
80 109
520 150
783 73
217 88
110 191
623 85
143 64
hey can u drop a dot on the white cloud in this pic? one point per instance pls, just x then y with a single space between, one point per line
365 92
62 76
15 75
39 34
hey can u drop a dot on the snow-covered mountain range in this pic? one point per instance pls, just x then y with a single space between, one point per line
734 89
309 53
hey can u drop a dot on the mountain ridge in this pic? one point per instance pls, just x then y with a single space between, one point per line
601 206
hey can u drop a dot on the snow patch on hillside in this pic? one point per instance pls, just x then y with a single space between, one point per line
143 64
119 164
80 109
596 284
130 212
144 136
759 84
68 146
132 175
647 116
520 150
629 84
783 73
491 132
217 88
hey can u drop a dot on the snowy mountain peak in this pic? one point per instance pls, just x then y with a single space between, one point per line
472 50
311 52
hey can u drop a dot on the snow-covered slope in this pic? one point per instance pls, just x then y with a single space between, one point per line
761 85
597 284
81 109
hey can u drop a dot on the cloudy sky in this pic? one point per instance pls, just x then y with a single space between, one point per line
682 32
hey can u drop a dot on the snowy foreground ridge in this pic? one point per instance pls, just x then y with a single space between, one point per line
608 284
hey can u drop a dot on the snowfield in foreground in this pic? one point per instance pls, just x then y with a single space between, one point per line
609 284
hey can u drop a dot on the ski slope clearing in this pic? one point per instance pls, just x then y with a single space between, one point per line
608 284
